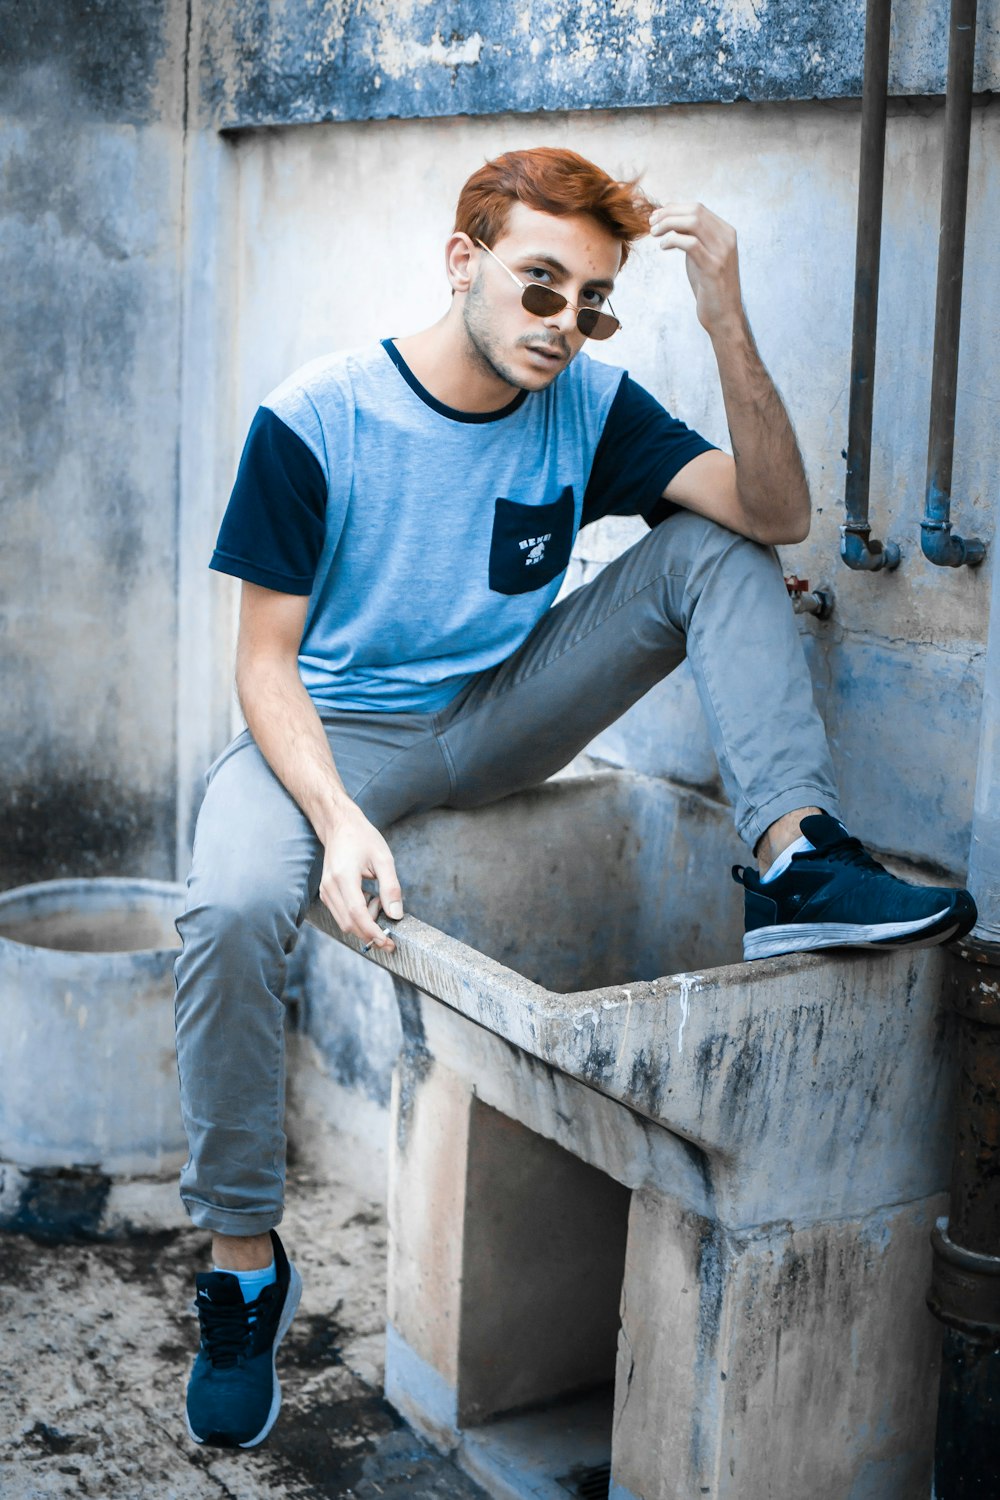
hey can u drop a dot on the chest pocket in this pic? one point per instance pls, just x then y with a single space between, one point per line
531 543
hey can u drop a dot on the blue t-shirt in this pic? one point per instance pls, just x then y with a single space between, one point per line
430 541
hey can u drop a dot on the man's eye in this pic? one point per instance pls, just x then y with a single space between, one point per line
594 299
537 271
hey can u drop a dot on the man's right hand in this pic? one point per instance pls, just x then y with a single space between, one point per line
283 720
356 851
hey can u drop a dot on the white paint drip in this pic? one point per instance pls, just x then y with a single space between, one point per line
687 983
628 1016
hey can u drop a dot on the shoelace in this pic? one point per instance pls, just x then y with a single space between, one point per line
225 1332
847 851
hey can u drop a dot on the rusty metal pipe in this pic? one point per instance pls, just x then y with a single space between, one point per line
857 548
939 543
984 853
965 1289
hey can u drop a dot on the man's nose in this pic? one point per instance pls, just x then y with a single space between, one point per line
564 320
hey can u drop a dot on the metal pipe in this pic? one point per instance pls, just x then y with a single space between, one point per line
939 543
965 1289
857 548
984 853
965 1292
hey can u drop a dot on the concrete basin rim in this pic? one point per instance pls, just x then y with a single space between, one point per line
169 890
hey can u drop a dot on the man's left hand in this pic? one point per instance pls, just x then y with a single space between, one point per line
709 246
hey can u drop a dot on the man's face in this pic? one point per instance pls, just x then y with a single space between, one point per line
573 255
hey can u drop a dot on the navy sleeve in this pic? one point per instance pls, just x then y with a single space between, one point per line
640 450
273 528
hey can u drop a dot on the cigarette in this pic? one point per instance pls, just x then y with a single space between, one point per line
367 947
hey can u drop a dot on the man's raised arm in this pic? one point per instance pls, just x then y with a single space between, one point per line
286 727
761 492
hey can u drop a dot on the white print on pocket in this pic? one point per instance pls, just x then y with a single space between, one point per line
535 548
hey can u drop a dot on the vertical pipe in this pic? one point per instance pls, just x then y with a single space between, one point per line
857 549
939 545
965 1292
984 854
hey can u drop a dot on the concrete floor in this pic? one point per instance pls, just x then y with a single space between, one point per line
96 1341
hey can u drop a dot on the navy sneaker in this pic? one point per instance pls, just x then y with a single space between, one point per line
233 1396
836 896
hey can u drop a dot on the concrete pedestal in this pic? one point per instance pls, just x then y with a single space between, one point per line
757 1299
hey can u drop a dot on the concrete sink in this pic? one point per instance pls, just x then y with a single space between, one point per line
658 1221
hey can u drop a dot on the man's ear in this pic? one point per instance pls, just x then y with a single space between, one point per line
460 261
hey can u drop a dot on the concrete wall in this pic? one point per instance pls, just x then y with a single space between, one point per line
113 323
89 238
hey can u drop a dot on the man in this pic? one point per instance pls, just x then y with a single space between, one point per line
402 519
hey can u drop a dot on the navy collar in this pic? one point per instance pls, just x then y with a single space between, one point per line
451 412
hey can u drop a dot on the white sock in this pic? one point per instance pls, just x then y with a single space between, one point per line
252 1283
784 859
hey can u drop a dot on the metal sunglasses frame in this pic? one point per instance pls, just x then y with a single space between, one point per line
526 286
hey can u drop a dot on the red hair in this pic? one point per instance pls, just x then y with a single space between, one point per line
555 182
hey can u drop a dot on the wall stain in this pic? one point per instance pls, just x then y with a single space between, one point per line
59 1204
80 824
647 1081
101 58
415 1060
711 1269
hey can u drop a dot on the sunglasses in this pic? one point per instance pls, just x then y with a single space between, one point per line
543 302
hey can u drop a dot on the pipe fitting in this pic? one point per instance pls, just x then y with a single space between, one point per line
965 1288
863 555
807 601
944 549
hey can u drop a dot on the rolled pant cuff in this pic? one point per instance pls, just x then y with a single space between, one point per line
239 1223
759 819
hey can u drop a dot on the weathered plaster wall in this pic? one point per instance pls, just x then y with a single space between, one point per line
299 61
89 250
341 230
113 392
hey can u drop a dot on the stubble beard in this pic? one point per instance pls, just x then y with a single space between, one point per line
484 346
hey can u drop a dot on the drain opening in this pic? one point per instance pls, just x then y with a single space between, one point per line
593 1483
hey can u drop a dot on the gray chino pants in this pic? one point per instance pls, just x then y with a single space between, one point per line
688 588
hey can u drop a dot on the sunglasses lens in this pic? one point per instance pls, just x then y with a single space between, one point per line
542 300
596 325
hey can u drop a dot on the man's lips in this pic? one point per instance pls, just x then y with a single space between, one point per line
547 351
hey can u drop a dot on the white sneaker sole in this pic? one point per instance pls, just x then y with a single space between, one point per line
292 1298
802 937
